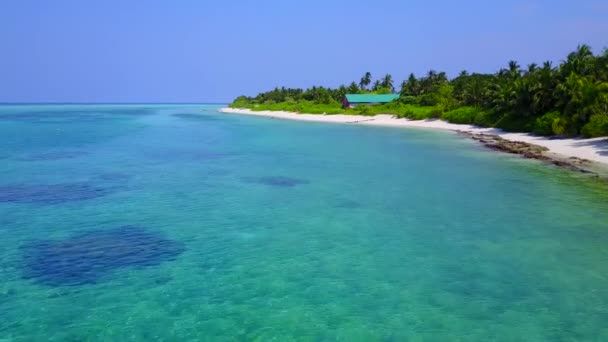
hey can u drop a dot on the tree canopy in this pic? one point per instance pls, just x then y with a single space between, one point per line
567 99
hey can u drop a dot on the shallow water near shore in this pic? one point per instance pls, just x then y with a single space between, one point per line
176 222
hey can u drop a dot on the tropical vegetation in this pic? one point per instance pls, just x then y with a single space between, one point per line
568 99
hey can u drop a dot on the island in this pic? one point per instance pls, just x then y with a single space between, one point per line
557 113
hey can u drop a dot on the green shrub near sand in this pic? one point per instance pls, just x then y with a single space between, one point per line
597 126
545 124
463 115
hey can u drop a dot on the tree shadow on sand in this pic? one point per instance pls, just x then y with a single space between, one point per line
600 144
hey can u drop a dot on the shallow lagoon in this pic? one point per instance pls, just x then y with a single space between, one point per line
287 230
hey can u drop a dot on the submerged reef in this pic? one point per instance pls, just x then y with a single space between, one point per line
53 156
276 181
89 257
348 204
53 193
73 115
114 176
196 117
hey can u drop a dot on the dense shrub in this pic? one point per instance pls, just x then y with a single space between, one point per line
407 113
382 91
364 110
427 100
561 126
415 112
484 119
597 126
544 124
463 115
435 113
411 100
512 123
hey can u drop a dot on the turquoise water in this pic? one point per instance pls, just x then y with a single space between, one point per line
175 222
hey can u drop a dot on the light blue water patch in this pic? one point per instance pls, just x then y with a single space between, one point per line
176 222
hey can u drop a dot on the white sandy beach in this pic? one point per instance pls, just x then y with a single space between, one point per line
592 149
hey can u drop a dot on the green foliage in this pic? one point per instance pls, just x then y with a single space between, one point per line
465 115
544 125
411 100
333 107
382 91
414 112
364 110
386 83
366 80
484 119
472 90
444 98
411 87
436 113
514 123
568 99
596 127
426 100
560 126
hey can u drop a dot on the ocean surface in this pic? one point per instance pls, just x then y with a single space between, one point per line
178 223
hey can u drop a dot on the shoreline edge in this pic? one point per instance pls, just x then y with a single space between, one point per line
577 154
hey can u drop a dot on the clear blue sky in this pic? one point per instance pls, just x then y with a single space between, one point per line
212 51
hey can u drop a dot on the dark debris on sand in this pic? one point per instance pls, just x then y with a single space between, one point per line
530 151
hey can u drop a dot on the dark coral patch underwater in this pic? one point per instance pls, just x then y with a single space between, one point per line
276 181
54 156
169 155
348 204
52 193
195 117
114 176
74 116
90 257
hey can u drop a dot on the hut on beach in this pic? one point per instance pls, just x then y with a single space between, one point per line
353 100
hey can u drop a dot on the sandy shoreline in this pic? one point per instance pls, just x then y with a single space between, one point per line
595 150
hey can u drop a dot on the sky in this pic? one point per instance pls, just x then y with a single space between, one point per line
212 51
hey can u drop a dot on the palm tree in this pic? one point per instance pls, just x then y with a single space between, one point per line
387 82
579 62
365 80
340 92
584 51
410 87
377 85
514 71
601 66
584 97
544 87
353 88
